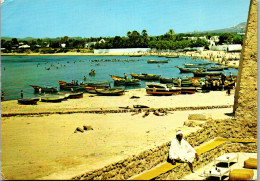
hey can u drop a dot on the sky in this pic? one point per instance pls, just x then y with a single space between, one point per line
95 18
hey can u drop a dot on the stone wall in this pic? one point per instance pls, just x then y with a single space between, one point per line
245 104
148 159
208 157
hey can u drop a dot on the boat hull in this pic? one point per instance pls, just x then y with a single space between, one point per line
110 92
28 101
145 76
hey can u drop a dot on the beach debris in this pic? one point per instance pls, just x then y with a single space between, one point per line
140 106
127 107
87 128
78 129
134 97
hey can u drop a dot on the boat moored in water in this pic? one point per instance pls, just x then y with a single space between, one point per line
157 61
122 81
145 76
44 89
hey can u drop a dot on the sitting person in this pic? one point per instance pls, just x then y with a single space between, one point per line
146 113
182 151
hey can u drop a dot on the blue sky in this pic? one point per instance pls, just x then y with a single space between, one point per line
94 18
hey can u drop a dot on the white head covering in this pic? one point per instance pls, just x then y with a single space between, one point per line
179 132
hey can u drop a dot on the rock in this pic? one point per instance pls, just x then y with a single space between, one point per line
198 117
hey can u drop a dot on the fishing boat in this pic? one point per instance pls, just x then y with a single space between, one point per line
28 101
44 89
204 64
68 86
224 67
72 95
203 74
157 61
122 81
92 73
53 98
187 70
165 80
172 56
110 91
193 66
184 82
145 76
161 89
215 69
135 55
90 87
190 90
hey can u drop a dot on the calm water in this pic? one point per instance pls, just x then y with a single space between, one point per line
18 72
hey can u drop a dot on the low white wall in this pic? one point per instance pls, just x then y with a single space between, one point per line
122 50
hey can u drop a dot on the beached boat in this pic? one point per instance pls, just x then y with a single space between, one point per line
145 76
53 98
187 70
67 86
184 82
157 61
190 90
161 89
44 89
122 81
193 66
90 87
203 74
72 95
110 91
28 101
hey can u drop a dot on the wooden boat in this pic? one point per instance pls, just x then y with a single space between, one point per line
92 73
215 69
204 64
187 70
28 101
90 87
172 56
224 67
72 95
161 89
140 106
135 55
203 74
157 61
122 81
193 66
67 86
189 90
165 80
145 76
44 89
110 91
53 98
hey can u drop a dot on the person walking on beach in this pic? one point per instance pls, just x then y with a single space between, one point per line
21 94
179 82
181 151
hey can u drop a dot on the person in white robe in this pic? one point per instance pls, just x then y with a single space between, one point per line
182 151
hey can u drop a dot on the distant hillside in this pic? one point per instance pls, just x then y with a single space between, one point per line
241 27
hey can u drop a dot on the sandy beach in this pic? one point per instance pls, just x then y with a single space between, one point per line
46 147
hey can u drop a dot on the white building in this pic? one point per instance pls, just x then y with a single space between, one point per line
24 46
232 47
63 45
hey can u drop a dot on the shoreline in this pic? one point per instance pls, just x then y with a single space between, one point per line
54 151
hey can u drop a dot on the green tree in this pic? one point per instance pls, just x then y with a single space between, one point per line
226 38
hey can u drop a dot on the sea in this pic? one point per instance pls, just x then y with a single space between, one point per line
19 72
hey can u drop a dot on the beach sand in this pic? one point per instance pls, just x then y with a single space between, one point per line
46 147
